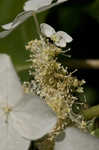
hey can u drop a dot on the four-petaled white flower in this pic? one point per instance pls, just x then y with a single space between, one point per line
60 38
22 117
30 7
74 139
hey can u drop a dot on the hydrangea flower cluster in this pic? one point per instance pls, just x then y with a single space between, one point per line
52 81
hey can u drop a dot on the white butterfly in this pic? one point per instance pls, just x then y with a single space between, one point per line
30 7
22 117
75 139
60 38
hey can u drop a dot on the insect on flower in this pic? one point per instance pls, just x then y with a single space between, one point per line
22 117
60 38
30 7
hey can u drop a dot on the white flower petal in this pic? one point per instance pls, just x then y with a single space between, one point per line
77 140
10 25
7 26
3 131
64 39
5 33
20 18
61 1
67 38
62 42
9 138
33 118
34 5
47 30
15 141
10 88
50 6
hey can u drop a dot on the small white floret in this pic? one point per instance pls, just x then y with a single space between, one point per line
60 38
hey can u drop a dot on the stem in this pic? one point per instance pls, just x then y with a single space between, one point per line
79 64
91 112
37 24
82 64
22 68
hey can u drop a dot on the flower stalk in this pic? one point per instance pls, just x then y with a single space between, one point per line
37 24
